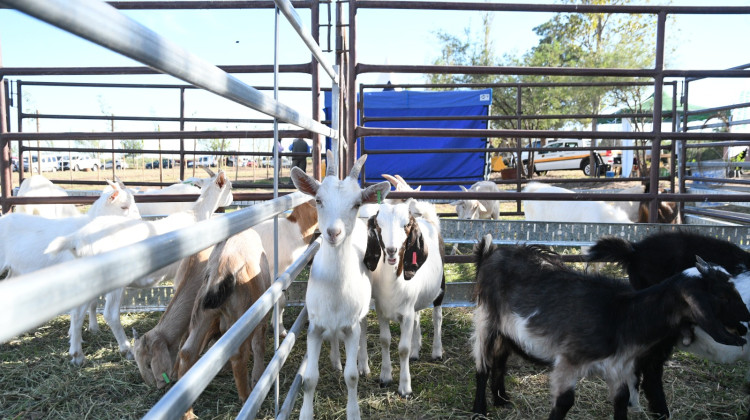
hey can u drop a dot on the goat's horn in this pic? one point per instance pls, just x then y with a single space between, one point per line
354 174
208 171
400 178
111 184
391 179
331 163
119 182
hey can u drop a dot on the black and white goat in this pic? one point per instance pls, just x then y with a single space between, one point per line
656 258
405 252
528 302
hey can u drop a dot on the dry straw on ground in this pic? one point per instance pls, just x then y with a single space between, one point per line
38 382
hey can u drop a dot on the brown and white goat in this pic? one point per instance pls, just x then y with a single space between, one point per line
237 275
156 351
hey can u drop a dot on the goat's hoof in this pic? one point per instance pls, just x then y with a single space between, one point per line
478 416
384 384
437 358
405 395
93 328
127 354
413 358
283 333
501 401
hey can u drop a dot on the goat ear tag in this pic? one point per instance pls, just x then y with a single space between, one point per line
414 258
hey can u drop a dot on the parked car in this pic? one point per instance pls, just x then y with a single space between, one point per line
166 163
554 159
119 164
204 161
267 162
244 161
48 163
79 163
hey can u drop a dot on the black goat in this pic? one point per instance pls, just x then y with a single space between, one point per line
529 303
653 260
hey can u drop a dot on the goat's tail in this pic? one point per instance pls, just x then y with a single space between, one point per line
218 292
60 244
611 249
483 249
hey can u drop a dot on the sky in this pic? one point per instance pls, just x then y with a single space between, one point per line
385 37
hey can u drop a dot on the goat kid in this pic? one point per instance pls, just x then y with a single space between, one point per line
238 274
529 303
479 209
296 232
651 261
405 252
108 233
338 289
156 351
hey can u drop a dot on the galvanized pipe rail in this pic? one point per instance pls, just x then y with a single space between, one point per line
30 300
133 40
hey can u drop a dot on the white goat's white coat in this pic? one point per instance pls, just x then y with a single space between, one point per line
569 211
479 209
704 346
39 186
338 289
108 233
400 300
167 208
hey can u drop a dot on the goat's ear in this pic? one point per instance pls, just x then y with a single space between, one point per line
455 203
413 209
373 251
221 179
415 252
702 266
304 182
370 194
463 188
481 206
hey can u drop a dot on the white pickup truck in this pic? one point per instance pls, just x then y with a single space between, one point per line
554 159
80 163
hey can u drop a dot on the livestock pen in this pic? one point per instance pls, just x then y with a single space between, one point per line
442 389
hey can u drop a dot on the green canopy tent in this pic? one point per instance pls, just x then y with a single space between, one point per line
666 107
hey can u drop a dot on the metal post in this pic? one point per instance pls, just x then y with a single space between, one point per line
182 140
351 87
276 169
656 129
315 73
5 172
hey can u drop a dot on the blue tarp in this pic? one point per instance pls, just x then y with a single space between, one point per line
417 168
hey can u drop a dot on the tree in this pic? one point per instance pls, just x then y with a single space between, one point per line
133 145
597 40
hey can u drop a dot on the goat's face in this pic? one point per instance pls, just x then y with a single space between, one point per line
338 201
218 190
468 209
716 306
153 360
116 200
394 233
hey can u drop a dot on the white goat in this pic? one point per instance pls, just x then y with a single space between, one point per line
191 185
296 232
569 211
405 253
479 209
107 233
338 289
39 186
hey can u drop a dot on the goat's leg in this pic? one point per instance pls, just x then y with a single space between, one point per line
93 325
386 370
239 369
562 380
335 355
404 350
480 399
280 320
112 316
620 401
259 352
497 379
652 369
76 339
416 338
437 332
310 377
351 375
363 362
